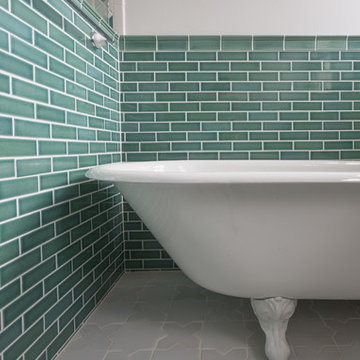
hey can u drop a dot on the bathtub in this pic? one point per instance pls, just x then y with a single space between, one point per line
272 231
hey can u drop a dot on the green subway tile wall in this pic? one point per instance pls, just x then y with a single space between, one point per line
61 242
234 97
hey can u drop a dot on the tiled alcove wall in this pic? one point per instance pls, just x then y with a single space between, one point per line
235 97
61 245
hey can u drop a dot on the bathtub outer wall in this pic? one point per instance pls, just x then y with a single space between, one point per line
234 97
258 240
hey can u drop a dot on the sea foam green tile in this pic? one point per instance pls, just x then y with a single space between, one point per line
263 76
233 135
325 75
48 12
277 126
35 202
9 188
234 155
61 100
307 86
4 42
330 42
277 145
7 210
16 107
350 154
15 228
195 136
215 126
15 66
62 8
33 166
172 156
21 344
264 135
262 116
183 66
48 79
232 55
31 316
9 251
337 105
151 66
247 86
200 76
186 146
215 106
31 129
306 66
7 168
134 42
263 55
351 75
94 73
263 96
308 145
245 126
268 42
61 38
228 96
61 69
171 97
17 147
21 304
200 55
300 42
294 76
204 42
28 52
294 155
275 66
354 42
64 163
49 46
6 127
203 96
25 13
268 155
350 55
172 42
48 113
276 106
29 90
232 76
324 55
52 148
232 42
213 86
245 66
338 65
15 26
294 55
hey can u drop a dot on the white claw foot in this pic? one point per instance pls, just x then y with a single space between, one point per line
274 315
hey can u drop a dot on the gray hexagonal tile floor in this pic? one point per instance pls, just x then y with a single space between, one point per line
165 316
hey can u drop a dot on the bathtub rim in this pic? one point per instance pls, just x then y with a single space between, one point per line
257 171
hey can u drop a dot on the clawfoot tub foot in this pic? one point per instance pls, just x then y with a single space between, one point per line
274 314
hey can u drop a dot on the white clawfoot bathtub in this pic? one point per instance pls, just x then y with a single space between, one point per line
273 231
